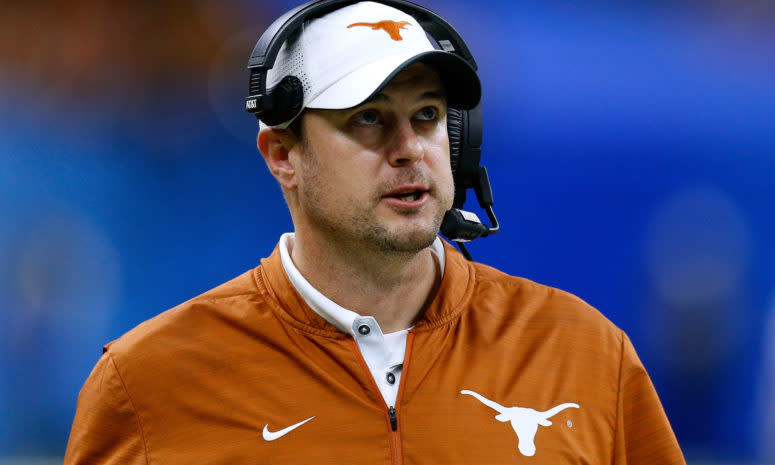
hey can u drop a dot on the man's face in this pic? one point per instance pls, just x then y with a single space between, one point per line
378 175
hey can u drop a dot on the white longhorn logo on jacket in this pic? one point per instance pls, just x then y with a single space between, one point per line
525 421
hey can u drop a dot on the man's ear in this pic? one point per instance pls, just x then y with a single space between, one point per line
275 146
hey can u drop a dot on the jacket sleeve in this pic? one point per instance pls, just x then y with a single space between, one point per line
106 429
643 433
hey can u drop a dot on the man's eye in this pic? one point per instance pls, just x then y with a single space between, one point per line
427 114
367 117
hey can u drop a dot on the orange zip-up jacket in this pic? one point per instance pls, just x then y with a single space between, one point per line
499 370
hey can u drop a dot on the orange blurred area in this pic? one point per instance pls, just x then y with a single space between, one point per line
123 50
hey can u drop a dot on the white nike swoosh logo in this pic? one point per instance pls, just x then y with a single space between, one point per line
271 436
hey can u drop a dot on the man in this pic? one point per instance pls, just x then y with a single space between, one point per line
364 338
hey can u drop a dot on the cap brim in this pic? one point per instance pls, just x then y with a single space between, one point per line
458 77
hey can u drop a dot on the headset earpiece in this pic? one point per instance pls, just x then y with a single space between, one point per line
454 129
282 102
456 134
465 139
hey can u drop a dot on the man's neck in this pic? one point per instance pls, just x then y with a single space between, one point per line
394 288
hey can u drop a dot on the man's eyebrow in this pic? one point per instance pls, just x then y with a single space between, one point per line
434 95
429 95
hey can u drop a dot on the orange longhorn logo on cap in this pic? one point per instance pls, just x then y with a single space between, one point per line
391 27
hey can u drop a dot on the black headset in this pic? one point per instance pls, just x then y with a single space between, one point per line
284 101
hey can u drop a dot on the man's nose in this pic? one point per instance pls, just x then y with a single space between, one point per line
405 147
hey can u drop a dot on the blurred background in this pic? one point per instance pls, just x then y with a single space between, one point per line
631 147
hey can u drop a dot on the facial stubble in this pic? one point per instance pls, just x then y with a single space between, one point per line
357 222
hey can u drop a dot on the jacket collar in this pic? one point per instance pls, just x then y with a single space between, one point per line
453 293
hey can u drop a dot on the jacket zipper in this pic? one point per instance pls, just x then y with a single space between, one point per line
396 455
395 438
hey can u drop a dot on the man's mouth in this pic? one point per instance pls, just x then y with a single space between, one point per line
408 196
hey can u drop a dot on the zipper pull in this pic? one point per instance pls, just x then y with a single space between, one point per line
393 418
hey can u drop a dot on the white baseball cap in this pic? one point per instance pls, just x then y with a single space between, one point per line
347 56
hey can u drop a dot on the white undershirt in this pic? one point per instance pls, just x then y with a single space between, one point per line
383 353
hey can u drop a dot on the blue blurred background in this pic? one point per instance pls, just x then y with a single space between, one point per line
631 147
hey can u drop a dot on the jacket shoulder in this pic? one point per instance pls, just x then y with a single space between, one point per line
195 318
526 300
